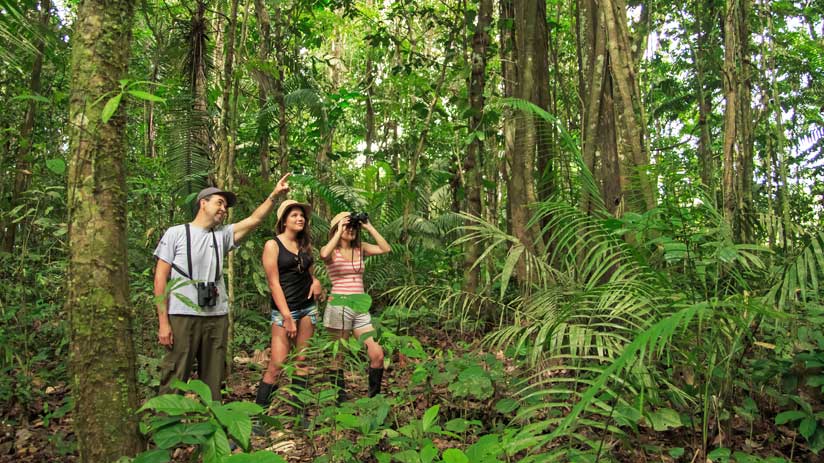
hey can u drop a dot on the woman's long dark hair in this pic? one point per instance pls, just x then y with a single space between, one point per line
304 237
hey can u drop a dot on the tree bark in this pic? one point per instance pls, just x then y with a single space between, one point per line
731 87
264 84
472 165
509 76
102 355
22 171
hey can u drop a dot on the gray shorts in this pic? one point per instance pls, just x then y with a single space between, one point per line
343 318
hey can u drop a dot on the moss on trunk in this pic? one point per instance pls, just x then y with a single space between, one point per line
102 356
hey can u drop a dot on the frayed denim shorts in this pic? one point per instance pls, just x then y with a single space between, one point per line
311 312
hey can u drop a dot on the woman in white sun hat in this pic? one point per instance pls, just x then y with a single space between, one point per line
344 257
288 263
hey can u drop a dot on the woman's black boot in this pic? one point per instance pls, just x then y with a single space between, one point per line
299 384
375 378
264 394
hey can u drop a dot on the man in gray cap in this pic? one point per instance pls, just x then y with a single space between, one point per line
193 317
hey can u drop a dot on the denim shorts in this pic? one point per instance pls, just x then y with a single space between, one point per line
344 318
311 312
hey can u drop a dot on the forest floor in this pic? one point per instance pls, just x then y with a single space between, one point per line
44 433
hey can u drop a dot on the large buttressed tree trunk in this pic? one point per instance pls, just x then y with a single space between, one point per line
102 356
614 145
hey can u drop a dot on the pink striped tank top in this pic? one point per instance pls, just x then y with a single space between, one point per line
346 275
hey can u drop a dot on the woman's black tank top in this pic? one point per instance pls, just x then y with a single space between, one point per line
295 279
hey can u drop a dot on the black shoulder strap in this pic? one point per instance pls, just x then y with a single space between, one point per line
217 257
188 255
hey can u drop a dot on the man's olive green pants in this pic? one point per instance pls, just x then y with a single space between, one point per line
201 339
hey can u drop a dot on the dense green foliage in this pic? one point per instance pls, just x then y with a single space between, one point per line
672 332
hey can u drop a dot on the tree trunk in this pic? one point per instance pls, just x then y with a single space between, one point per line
731 87
745 176
102 355
264 84
509 76
198 143
706 158
22 171
280 98
472 165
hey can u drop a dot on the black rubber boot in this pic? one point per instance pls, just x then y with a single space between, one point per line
340 385
264 399
299 384
375 378
264 394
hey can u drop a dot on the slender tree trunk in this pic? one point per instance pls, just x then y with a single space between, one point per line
264 84
198 143
22 171
280 98
731 87
509 78
706 159
102 355
745 121
472 165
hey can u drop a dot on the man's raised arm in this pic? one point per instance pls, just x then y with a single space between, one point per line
245 226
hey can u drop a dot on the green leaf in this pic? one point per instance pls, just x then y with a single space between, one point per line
216 448
407 456
110 108
460 424
348 421
183 433
197 386
789 415
247 408
153 456
506 405
664 419
239 424
39 98
428 453
807 427
360 303
719 454
262 456
58 166
173 404
145 96
473 382
454 456
430 417
676 452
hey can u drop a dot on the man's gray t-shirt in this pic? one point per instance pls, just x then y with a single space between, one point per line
172 249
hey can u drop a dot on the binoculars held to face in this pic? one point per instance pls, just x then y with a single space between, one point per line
357 219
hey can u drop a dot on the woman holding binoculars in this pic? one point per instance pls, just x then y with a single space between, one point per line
344 257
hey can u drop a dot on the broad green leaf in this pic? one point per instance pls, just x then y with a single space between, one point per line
197 386
720 454
247 408
153 456
789 415
360 303
506 405
676 452
183 433
428 453
407 456
430 416
145 96
509 266
664 419
347 420
238 424
216 448
454 456
58 166
262 456
807 427
110 108
173 404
